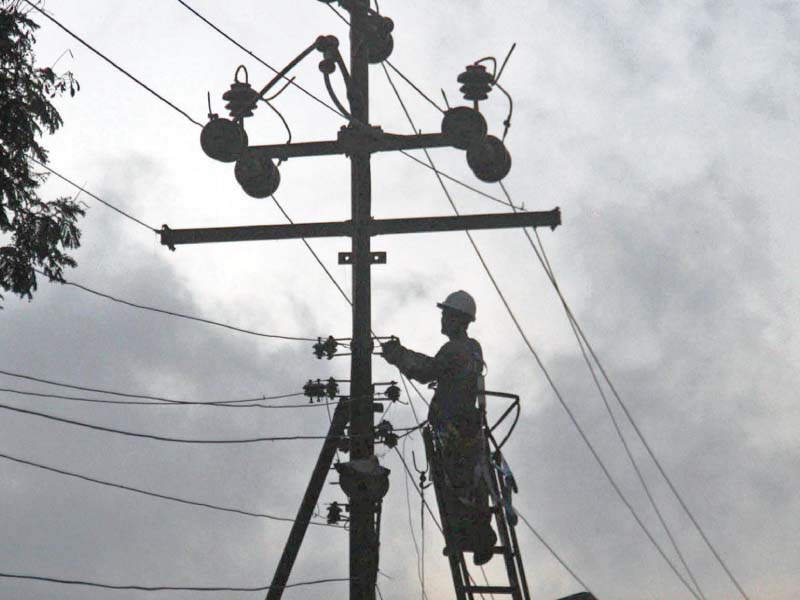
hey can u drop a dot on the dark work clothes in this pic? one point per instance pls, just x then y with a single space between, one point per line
456 423
455 368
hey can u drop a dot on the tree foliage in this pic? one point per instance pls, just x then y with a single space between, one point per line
36 234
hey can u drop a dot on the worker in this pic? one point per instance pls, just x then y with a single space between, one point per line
456 421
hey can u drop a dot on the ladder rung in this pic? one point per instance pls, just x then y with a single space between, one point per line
490 589
495 550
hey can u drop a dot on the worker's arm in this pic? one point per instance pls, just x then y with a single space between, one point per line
416 365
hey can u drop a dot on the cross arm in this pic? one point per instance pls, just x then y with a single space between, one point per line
174 237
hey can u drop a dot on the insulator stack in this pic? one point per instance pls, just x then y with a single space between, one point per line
334 513
241 98
331 388
393 392
476 83
315 390
328 348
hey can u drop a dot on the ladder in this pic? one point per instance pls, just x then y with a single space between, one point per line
466 588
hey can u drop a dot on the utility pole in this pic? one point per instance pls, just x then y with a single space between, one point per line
364 482
363 534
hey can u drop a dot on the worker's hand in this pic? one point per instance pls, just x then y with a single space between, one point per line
391 350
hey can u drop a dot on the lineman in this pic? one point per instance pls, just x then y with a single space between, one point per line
456 421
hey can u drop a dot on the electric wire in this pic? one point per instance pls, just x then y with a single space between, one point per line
184 316
539 362
131 395
90 194
159 437
163 588
548 270
578 330
233 404
128 488
112 63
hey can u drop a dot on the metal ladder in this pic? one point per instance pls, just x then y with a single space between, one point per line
466 588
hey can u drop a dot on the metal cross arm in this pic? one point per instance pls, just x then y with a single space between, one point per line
174 237
352 139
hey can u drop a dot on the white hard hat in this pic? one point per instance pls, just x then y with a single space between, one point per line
460 301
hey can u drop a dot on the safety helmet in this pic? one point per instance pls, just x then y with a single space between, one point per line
460 301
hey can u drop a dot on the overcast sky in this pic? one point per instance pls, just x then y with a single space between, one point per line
667 132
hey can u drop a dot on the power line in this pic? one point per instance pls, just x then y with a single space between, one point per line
154 494
143 588
578 330
88 193
173 404
112 63
539 361
159 437
551 275
131 395
183 316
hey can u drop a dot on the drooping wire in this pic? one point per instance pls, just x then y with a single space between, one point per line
281 117
541 365
184 316
112 63
90 194
163 588
128 488
582 340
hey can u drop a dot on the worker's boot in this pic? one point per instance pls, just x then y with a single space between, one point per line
484 547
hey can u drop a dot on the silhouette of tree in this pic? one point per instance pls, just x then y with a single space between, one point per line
35 233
